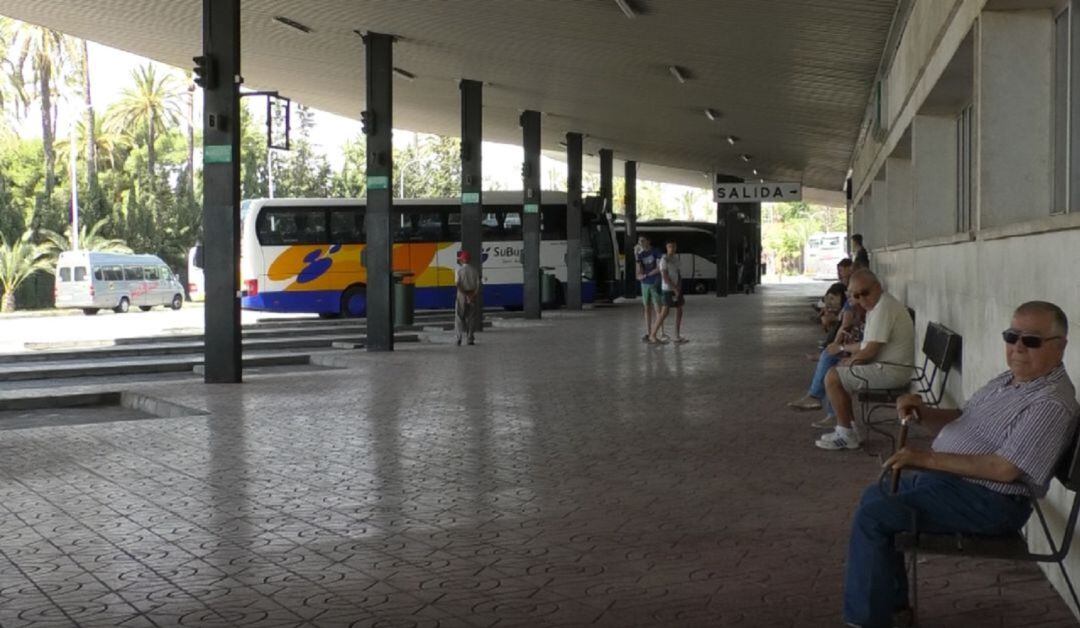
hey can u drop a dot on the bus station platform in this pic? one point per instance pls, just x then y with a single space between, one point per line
558 473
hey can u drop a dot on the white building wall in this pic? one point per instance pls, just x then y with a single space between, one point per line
1016 250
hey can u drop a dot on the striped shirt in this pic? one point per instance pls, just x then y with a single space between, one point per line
1029 424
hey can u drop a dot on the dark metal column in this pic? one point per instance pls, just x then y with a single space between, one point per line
755 241
724 227
221 190
573 221
378 253
606 177
630 196
530 217
472 118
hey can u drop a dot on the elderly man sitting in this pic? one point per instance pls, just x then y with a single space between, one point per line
1010 433
881 360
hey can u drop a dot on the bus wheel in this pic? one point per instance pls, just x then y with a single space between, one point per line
177 302
123 307
700 287
146 308
353 303
90 311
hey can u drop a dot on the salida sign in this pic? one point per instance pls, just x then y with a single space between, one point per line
765 192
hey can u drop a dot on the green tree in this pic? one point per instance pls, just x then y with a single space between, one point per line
19 260
430 167
47 52
146 110
351 181
90 239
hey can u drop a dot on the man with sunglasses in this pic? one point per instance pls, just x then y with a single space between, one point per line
881 360
986 462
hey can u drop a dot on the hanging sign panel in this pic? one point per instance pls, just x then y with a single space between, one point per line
764 192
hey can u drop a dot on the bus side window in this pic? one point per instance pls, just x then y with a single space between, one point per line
150 273
347 226
133 273
553 222
113 273
98 275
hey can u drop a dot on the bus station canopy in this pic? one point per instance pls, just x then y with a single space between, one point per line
789 80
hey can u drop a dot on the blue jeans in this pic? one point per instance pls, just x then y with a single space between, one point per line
875 583
817 385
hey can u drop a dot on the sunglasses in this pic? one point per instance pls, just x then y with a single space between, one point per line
1031 341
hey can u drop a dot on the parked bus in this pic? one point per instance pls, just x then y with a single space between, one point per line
697 248
196 283
307 255
823 252
96 281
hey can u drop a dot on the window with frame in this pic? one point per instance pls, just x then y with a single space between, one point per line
65 275
1061 122
133 273
964 169
279 226
501 224
347 225
150 273
113 273
80 273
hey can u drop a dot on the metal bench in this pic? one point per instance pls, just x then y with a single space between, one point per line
941 351
1008 547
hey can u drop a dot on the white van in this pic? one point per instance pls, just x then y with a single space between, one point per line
95 281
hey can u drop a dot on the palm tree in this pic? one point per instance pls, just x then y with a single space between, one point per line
19 260
47 52
13 98
91 126
190 132
89 240
107 146
150 106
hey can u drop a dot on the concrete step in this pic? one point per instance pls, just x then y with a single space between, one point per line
134 366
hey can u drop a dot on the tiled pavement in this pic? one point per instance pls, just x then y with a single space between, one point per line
561 474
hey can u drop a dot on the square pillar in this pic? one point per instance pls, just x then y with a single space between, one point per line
221 191
378 252
573 221
530 217
472 200
630 196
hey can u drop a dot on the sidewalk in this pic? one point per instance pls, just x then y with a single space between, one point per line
559 473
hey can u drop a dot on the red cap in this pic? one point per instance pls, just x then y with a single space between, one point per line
463 256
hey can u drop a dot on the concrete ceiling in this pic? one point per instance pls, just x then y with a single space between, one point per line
789 78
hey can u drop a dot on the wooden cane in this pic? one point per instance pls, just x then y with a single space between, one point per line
902 442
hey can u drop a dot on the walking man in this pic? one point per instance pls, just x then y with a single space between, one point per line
468 288
648 273
671 281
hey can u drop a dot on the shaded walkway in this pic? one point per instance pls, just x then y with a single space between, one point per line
560 474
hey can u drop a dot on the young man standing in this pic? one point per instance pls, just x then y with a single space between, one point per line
671 279
648 273
468 287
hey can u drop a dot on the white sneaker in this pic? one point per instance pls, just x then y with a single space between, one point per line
834 441
825 423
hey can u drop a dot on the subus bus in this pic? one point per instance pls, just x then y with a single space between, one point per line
823 252
697 248
307 255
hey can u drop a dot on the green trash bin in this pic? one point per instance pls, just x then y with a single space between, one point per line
549 286
404 299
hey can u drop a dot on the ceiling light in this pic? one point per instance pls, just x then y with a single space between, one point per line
712 114
731 139
755 172
408 76
761 180
303 28
745 157
678 73
626 8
